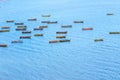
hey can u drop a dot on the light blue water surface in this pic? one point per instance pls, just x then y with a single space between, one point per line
81 59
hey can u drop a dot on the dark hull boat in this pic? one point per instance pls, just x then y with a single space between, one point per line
26 32
38 34
20 29
6 27
87 28
38 29
78 21
19 23
3 45
25 37
52 22
32 19
17 41
61 32
109 14
98 40
10 21
66 40
66 26
45 21
48 15
114 32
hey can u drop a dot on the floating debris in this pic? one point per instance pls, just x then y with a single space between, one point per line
97 40
66 26
87 28
25 37
61 32
60 36
38 34
3 45
17 41
114 32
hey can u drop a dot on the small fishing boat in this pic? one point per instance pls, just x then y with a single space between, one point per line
10 21
19 23
38 29
109 14
32 19
46 15
38 34
45 22
114 32
54 41
43 26
61 32
97 40
17 41
20 29
5 27
52 22
26 32
66 26
66 40
4 30
22 26
25 37
89 28
3 45
78 21
60 36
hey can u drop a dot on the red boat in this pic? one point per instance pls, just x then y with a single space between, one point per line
87 28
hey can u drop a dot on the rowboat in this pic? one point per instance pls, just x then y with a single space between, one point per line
61 32
90 28
38 34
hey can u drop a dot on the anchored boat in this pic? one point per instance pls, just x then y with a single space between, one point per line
25 37
17 41
10 21
47 15
114 32
90 28
61 32
97 40
60 36
5 27
19 23
32 19
3 45
66 26
43 26
66 40
54 41
38 34
4 30
26 32
78 21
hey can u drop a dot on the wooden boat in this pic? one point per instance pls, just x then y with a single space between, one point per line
45 22
54 41
3 45
97 40
66 26
4 30
21 26
61 32
60 36
90 28
17 41
25 37
20 29
6 27
32 19
26 32
19 23
114 32
43 26
52 22
47 15
38 34
66 40
109 14
10 21
78 21
38 29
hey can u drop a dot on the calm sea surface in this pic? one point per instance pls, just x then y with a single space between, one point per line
80 59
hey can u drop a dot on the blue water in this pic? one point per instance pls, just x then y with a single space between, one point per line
81 59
